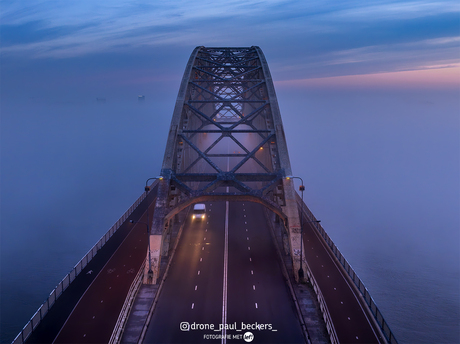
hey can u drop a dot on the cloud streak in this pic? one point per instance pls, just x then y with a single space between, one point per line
301 39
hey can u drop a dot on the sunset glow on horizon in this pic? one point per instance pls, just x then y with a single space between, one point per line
446 78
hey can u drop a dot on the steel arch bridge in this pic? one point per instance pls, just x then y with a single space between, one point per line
226 142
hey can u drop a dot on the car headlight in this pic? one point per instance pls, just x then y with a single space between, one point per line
202 216
193 216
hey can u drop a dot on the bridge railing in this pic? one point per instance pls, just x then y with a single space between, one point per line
353 276
323 307
127 305
70 277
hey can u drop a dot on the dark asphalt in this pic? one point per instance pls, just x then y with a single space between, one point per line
193 290
53 321
197 263
94 317
257 291
351 321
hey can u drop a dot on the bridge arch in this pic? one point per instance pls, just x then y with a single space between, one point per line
226 133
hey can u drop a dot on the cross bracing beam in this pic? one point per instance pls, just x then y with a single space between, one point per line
226 141
243 177
226 197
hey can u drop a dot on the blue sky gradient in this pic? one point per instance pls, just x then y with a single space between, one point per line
333 38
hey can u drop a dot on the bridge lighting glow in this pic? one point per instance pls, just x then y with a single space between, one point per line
147 187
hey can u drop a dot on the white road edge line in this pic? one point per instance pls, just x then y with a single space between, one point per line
224 296
348 284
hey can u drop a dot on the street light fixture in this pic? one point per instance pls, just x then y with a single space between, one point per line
147 187
301 189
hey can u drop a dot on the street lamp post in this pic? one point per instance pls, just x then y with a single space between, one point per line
301 189
147 189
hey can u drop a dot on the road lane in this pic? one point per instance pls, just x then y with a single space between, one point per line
351 322
51 324
257 292
192 291
94 317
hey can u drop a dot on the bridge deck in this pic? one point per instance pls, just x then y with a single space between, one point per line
75 296
253 292
257 291
352 321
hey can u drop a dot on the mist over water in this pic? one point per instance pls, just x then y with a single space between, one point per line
382 173
381 170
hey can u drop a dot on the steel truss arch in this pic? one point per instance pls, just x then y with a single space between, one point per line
226 96
226 141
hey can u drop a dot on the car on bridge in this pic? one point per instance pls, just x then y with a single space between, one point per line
199 211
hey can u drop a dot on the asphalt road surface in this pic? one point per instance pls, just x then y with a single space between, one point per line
225 274
94 317
352 323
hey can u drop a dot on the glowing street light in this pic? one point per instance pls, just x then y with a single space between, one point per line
301 189
147 187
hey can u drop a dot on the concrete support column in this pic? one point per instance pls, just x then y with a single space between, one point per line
166 241
152 266
156 237
292 212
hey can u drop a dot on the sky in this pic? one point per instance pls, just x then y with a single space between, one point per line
369 93
131 43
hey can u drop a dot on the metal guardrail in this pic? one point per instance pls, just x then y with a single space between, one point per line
70 277
323 307
353 276
128 304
